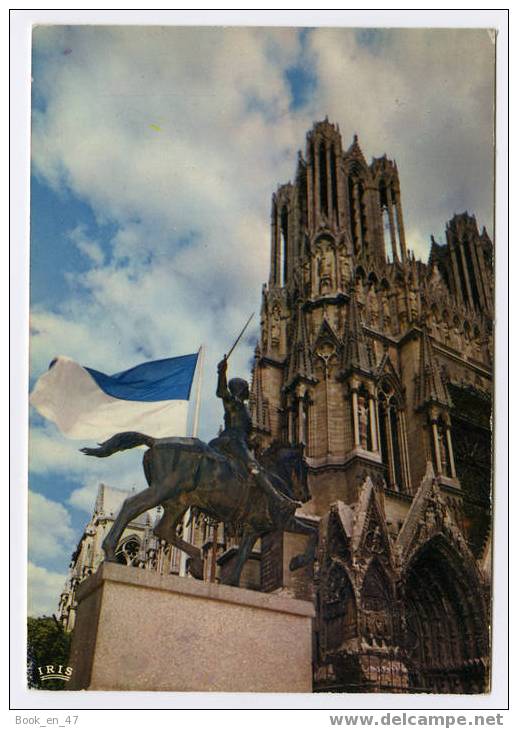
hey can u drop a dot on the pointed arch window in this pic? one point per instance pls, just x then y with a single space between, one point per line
352 189
384 445
392 432
460 267
322 168
391 221
376 590
357 208
362 210
305 420
377 606
128 551
275 243
444 451
339 608
441 447
471 273
302 188
364 419
386 234
334 186
284 246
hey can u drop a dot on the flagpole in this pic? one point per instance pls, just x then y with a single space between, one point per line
196 420
187 520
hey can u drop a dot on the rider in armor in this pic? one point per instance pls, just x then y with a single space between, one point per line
234 439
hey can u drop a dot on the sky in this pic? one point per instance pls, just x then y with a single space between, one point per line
155 152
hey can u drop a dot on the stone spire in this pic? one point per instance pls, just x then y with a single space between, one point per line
430 387
99 501
355 152
435 251
300 365
356 352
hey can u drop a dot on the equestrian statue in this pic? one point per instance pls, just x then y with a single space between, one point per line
222 479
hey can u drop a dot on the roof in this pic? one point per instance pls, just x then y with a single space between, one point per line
109 500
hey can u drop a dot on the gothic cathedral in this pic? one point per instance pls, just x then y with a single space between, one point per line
380 366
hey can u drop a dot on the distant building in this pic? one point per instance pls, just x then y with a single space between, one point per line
136 546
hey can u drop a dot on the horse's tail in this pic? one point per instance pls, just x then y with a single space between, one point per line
119 442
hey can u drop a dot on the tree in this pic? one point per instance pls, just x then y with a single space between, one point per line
47 644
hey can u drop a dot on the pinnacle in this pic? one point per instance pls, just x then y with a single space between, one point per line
300 364
430 385
356 354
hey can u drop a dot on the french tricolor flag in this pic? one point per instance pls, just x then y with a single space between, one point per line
152 398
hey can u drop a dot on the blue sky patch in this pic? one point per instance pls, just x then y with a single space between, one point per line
53 218
373 39
302 77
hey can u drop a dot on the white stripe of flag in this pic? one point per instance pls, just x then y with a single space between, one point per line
70 396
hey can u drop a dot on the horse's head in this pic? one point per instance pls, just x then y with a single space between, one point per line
289 464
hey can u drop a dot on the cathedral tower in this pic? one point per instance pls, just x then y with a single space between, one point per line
381 366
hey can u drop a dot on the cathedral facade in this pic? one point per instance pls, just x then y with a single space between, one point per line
380 365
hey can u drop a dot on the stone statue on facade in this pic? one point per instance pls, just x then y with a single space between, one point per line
325 271
345 269
385 308
373 306
413 305
360 296
276 326
363 421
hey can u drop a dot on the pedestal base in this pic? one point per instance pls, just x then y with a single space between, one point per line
140 631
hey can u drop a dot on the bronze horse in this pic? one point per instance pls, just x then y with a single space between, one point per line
186 472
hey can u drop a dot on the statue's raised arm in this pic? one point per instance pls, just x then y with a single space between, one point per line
222 390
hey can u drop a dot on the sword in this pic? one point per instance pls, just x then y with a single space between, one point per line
240 335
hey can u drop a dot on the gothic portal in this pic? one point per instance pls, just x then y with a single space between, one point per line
381 366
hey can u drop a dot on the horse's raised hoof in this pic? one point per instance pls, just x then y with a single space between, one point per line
195 568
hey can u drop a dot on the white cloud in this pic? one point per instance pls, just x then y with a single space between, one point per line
90 248
50 453
50 530
43 590
84 498
190 201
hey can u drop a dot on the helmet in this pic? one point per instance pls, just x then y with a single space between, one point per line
239 388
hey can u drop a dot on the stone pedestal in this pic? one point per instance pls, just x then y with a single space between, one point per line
140 631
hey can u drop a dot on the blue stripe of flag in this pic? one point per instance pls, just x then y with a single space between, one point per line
164 379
